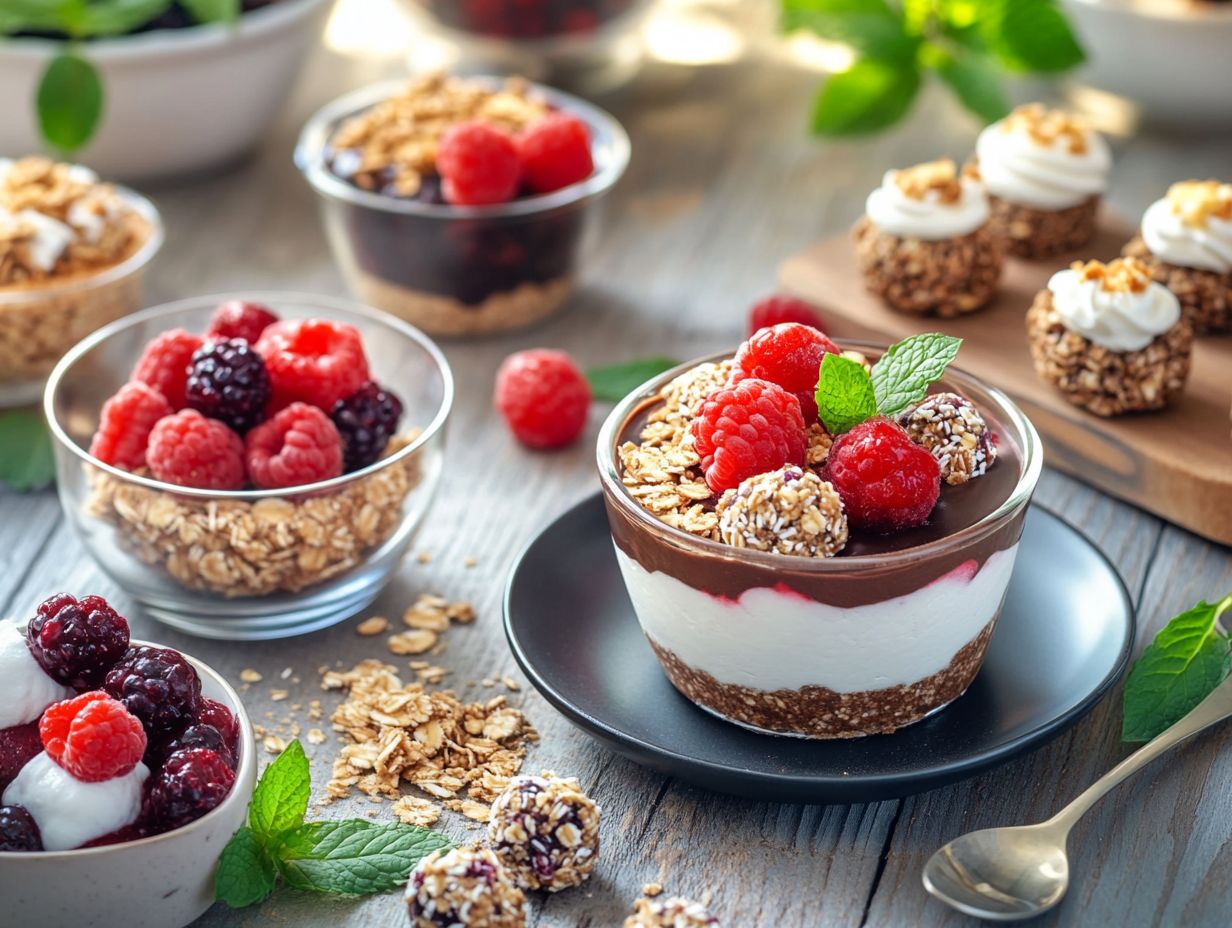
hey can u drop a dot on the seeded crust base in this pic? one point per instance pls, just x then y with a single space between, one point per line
1107 383
1041 233
945 278
818 712
1206 296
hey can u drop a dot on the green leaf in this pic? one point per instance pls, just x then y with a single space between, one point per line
615 382
1188 658
975 81
354 857
281 797
115 17
26 458
1031 35
869 26
869 96
904 373
69 101
246 873
213 11
844 394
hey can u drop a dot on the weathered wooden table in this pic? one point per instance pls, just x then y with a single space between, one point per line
724 183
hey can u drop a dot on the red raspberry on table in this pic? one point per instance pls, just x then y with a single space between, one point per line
788 354
478 164
543 397
745 429
299 445
124 425
312 361
887 482
93 737
190 784
76 641
164 364
777 309
555 152
238 319
189 450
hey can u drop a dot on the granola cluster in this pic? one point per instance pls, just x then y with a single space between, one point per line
546 831
1197 201
955 433
1123 275
466 886
673 912
1045 127
789 511
935 177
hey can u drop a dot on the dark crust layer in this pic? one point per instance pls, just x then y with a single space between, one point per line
1206 296
818 712
944 278
1042 233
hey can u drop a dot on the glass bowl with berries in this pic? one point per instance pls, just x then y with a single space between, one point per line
817 538
124 768
462 205
254 465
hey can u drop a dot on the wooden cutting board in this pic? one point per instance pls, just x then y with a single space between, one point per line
1176 463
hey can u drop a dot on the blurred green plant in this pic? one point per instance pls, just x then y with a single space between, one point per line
969 44
69 99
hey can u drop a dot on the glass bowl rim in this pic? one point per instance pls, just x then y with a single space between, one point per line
269 297
313 138
614 489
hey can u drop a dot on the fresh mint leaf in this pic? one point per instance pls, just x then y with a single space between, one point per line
614 382
975 81
69 100
869 96
26 458
1030 36
353 857
281 797
904 373
868 26
1188 658
844 394
213 11
115 17
246 873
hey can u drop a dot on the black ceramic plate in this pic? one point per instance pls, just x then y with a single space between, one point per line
1064 637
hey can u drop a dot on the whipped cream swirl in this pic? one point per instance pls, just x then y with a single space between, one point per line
25 688
1207 247
931 217
1119 320
1050 175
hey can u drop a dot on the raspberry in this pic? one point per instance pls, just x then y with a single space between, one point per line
190 784
887 482
543 397
237 319
124 425
747 428
93 737
215 714
158 686
299 445
478 164
777 309
312 361
77 641
788 354
189 450
366 420
164 364
18 746
555 152
18 830
227 381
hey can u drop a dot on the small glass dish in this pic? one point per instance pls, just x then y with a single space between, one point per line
250 564
460 270
39 323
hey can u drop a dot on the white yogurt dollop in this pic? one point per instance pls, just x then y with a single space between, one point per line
893 211
1020 169
1207 247
71 812
25 688
1119 320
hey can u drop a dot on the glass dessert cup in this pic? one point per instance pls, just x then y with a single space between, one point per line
460 270
866 642
40 322
251 564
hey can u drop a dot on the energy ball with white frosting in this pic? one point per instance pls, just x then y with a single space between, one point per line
670 913
1044 171
1110 338
546 831
466 887
1186 242
790 510
925 244
955 433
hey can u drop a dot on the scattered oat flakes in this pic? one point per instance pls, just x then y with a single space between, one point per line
416 641
512 685
475 811
279 695
274 744
424 557
470 561
373 626
248 675
412 810
650 890
316 736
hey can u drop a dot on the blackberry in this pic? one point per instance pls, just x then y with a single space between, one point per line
18 830
211 712
366 420
158 686
77 641
200 735
227 381
191 783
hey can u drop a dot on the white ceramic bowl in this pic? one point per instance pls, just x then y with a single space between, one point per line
166 881
176 100
1172 58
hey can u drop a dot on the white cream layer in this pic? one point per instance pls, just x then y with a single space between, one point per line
1018 169
25 688
1120 320
773 640
1207 247
893 212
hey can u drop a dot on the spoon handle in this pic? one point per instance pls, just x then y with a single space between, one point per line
1214 708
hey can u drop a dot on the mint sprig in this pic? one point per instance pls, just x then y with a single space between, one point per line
354 857
26 458
614 382
847 394
1189 657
